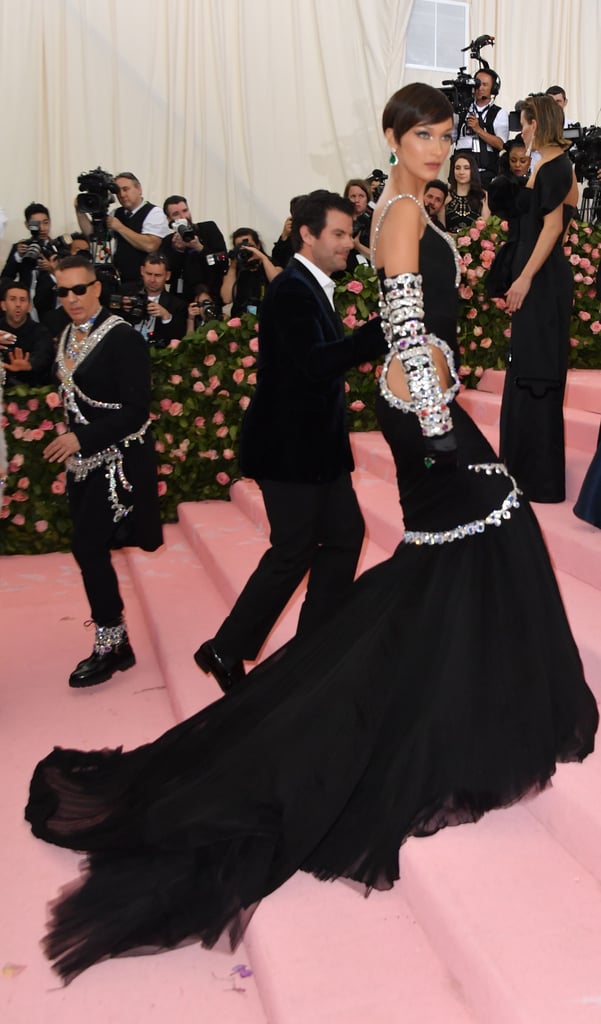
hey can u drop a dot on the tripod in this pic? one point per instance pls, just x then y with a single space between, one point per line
590 208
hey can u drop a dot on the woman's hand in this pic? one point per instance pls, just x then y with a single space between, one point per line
517 293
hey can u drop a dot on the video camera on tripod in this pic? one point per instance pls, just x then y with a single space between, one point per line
460 90
97 190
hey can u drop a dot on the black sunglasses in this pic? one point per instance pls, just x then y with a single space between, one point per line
77 289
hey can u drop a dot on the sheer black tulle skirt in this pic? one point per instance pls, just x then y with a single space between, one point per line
446 685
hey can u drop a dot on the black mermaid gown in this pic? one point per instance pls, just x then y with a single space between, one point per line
447 684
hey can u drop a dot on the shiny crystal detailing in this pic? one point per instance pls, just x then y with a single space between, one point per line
112 458
495 518
443 234
401 310
109 637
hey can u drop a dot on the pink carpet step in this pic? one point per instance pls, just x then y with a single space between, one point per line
583 388
515 917
575 546
581 426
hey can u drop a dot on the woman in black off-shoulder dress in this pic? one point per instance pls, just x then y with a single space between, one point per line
447 684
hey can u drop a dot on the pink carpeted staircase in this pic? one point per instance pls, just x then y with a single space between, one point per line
498 922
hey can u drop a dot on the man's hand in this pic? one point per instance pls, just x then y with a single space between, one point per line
17 361
7 340
61 448
155 309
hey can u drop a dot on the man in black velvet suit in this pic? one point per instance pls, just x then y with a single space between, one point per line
294 441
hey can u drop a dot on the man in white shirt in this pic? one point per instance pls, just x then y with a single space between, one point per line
485 129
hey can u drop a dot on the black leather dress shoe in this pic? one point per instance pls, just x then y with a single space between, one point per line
100 667
207 658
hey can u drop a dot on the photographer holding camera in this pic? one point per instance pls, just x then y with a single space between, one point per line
153 311
485 128
31 261
138 226
203 308
188 247
250 271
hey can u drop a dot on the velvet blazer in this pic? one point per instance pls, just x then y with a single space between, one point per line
295 428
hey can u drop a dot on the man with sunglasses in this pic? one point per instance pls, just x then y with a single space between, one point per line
103 367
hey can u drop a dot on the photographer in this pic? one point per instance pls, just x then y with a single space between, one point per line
250 271
26 348
187 249
485 128
152 311
31 261
203 308
359 193
138 227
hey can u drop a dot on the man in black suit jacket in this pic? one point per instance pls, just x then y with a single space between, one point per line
189 246
108 451
294 441
163 315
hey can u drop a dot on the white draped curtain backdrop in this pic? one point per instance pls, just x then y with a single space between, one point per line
239 104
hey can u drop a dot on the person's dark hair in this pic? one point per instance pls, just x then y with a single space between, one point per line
172 200
476 194
130 177
7 283
440 185
76 262
156 258
248 231
415 104
312 212
36 208
555 90
294 202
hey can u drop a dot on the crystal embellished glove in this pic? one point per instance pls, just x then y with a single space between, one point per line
402 312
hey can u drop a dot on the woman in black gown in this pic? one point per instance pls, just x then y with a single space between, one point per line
440 689
540 299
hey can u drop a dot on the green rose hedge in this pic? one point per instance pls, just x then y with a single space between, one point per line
203 384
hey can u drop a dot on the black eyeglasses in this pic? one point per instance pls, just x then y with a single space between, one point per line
77 289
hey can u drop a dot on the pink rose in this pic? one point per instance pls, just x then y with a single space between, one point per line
574 239
357 406
479 272
174 343
23 483
504 225
195 373
22 415
199 422
254 344
252 378
222 431
165 404
210 360
233 346
471 313
161 488
578 278
485 244
235 322
474 234
365 368
52 400
18 520
175 378
596 326
574 342
507 332
16 462
472 346
223 479
479 371
166 469
351 309
238 376
486 343
477 331
248 361
465 291
574 260
466 260
159 446
46 425
584 315
350 321
244 402
464 240
199 386
20 496
464 371
58 486
355 287
32 403
228 453
212 335
169 438
218 417
214 382
41 526
176 409
18 433
36 435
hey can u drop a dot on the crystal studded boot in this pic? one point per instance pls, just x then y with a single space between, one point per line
112 653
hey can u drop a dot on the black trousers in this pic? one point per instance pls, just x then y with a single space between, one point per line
92 540
315 528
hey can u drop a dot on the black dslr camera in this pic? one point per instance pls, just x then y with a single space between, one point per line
586 154
186 231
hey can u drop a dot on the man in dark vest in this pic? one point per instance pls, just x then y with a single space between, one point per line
294 441
485 129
